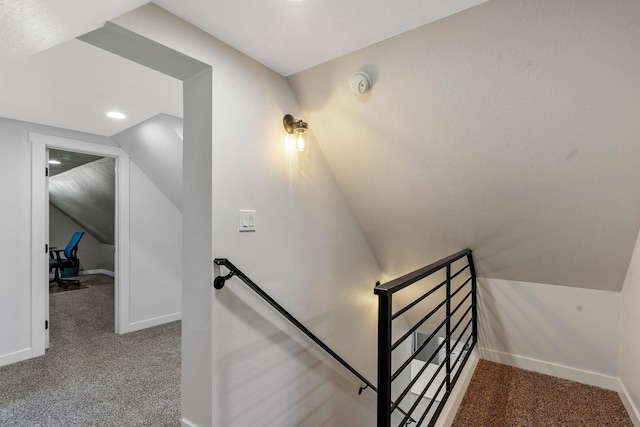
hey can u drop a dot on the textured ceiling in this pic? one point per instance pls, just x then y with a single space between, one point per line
31 26
290 36
511 129
68 160
87 194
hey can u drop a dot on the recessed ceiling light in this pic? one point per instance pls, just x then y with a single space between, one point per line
116 115
54 162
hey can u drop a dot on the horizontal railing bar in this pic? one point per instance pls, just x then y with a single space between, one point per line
421 395
453 380
415 379
453 276
463 315
427 341
417 325
436 414
465 343
417 301
226 263
464 361
470 293
426 411
404 281
412 357
461 319
461 286
408 388
463 332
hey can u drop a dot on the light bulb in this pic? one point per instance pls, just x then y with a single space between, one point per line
300 143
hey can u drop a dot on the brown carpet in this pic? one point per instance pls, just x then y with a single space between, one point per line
500 395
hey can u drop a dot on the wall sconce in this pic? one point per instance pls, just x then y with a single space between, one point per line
299 130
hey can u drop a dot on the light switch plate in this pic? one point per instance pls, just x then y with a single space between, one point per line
247 220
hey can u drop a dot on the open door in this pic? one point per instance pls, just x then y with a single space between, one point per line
46 233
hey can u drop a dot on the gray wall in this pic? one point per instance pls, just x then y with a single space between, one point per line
510 128
91 253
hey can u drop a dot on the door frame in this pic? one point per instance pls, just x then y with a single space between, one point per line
39 240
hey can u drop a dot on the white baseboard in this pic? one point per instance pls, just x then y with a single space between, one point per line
631 408
547 368
97 271
156 321
455 398
16 356
187 423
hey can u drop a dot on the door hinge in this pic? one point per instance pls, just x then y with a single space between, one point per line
46 324
46 171
46 248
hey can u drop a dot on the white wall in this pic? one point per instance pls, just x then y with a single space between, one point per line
91 253
561 331
155 281
630 333
308 253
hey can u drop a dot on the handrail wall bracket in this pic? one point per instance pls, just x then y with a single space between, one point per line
219 281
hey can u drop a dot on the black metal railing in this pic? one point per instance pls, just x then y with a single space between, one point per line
235 271
422 383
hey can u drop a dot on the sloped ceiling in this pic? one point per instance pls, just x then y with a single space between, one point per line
155 146
512 129
290 36
87 194
68 160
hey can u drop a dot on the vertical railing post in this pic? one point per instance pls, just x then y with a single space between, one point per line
448 345
474 298
384 360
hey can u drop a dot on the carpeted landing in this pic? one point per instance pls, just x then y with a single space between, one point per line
90 376
500 396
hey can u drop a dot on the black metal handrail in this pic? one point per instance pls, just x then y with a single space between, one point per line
218 283
452 369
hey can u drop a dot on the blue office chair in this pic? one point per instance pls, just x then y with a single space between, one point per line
70 260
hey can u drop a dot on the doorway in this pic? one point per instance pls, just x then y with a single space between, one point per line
40 264
81 193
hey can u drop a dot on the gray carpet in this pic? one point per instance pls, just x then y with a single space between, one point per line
90 376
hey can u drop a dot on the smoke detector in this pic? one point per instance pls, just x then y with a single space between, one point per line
360 82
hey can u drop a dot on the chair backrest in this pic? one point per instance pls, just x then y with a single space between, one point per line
72 247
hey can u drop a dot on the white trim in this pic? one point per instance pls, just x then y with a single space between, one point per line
187 423
97 271
553 369
628 403
39 271
16 356
156 321
458 392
